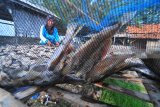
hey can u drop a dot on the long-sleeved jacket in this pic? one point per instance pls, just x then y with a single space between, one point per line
45 36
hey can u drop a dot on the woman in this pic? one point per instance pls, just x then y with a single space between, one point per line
49 33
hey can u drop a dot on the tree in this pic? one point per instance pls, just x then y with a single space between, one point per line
97 10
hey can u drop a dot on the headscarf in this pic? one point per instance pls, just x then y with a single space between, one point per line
50 29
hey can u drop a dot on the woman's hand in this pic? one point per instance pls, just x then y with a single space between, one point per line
49 43
57 44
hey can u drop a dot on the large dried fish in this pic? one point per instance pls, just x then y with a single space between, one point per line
88 62
62 65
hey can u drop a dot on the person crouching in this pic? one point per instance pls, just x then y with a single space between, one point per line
49 33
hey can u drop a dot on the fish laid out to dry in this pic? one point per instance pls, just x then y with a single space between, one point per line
64 65
90 62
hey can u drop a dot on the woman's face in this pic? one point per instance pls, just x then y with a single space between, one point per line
50 23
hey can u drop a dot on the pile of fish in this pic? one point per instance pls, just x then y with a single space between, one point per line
91 62
64 65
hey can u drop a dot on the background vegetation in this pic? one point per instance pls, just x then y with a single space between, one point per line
98 10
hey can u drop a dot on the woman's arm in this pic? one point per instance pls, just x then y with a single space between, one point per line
56 35
42 36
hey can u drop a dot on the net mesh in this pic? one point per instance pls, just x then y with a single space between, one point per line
22 56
